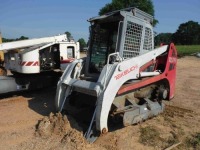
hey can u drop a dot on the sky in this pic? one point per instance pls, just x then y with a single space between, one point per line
40 18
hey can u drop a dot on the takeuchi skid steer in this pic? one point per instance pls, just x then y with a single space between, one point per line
122 77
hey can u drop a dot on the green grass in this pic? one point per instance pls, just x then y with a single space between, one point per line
151 136
193 141
184 50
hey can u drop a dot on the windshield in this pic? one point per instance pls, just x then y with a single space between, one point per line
103 42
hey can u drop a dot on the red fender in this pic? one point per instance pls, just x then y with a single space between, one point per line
169 62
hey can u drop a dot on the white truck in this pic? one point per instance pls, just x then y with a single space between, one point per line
31 61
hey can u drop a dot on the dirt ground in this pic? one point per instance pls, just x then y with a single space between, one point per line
20 113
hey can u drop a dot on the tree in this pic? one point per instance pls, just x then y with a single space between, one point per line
22 38
7 40
17 39
82 43
163 38
144 5
68 34
187 34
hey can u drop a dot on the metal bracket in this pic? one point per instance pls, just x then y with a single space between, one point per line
91 134
142 112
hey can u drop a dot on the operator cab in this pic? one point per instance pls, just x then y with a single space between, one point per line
103 43
107 37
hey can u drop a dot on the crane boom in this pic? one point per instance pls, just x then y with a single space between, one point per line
31 42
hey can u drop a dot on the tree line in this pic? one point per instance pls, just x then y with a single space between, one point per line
17 39
187 34
69 36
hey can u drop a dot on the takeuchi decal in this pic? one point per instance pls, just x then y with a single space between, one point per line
125 72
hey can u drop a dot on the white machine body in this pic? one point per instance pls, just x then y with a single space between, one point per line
42 54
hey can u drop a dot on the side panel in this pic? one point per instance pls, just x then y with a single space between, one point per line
137 37
12 61
171 69
29 62
169 73
64 50
68 52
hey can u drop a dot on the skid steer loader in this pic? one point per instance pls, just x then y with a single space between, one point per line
123 77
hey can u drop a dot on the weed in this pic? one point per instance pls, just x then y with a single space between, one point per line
150 136
193 141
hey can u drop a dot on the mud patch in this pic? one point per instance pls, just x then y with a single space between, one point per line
59 125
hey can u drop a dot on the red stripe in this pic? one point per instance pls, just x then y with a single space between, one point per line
23 63
36 63
147 81
145 66
67 61
29 63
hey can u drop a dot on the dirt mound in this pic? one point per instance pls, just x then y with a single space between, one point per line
53 124
74 140
59 125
